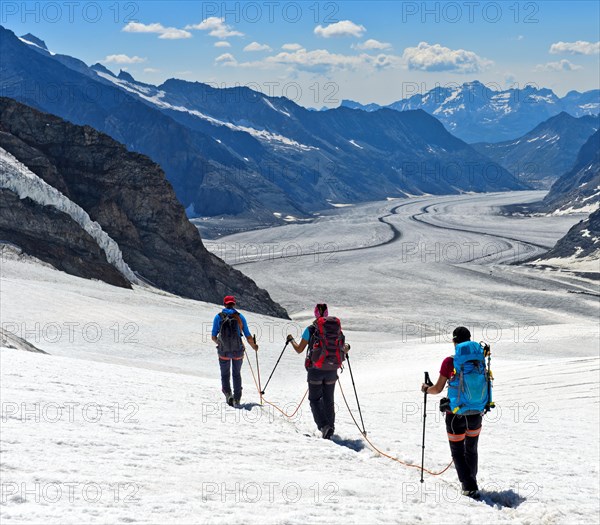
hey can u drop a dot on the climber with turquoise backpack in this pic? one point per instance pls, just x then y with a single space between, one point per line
469 381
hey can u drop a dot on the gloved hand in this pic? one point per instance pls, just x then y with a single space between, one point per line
289 338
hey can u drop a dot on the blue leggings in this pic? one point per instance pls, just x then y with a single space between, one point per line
235 372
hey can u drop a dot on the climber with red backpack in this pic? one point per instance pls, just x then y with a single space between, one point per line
228 327
327 350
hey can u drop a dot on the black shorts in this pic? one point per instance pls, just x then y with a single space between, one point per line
460 427
317 377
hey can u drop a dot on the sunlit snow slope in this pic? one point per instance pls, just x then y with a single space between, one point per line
124 421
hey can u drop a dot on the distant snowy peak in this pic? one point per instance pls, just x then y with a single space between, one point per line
99 68
475 112
34 41
351 104
123 75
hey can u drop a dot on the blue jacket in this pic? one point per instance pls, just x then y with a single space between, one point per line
217 327
217 322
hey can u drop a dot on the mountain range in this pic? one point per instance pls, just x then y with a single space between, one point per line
579 188
546 152
475 112
238 152
77 199
581 244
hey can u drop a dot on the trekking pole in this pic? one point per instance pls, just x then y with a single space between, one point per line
356 395
428 383
262 392
258 371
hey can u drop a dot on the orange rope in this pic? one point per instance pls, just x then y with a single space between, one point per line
269 402
380 451
353 419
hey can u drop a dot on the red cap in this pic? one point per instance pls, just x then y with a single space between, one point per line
229 299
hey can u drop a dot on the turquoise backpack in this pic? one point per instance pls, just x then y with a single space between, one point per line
470 389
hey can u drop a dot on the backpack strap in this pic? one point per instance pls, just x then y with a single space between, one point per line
236 316
222 316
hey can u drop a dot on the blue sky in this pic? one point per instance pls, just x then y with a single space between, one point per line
366 51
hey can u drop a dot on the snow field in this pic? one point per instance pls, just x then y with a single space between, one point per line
124 422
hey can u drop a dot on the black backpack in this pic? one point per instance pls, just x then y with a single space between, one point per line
229 337
326 345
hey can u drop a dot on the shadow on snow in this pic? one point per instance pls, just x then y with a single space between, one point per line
502 498
353 444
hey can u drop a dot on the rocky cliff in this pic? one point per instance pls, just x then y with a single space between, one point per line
130 198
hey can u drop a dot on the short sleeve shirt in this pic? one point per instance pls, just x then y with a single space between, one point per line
447 369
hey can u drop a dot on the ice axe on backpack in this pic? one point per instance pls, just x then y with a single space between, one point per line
428 383
487 352
262 392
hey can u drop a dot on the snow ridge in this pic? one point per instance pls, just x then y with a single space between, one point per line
16 177
158 99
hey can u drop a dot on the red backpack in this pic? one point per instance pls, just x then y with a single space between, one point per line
326 351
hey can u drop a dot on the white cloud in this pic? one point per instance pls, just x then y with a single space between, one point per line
216 27
123 59
371 44
168 33
562 65
255 46
291 47
580 47
341 28
151 70
435 57
137 27
172 33
222 43
315 58
226 59
318 60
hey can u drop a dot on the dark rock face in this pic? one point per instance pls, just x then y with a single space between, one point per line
54 237
582 240
579 186
546 152
128 195
577 189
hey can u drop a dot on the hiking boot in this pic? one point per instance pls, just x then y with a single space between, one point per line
229 398
473 494
237 402
327 431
